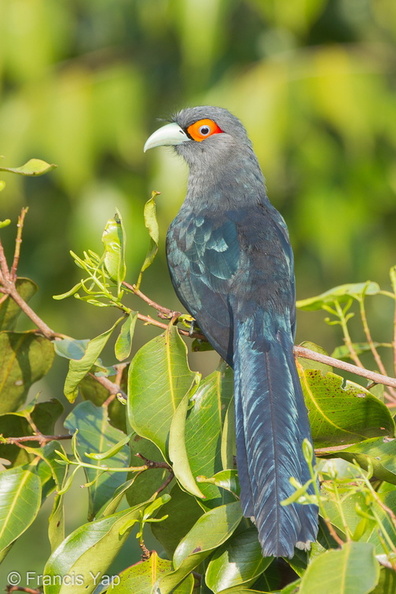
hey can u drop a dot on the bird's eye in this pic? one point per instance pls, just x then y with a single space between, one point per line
203 129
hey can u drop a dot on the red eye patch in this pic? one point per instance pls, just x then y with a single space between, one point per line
203 129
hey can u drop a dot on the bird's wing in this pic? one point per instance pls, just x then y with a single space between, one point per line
204 258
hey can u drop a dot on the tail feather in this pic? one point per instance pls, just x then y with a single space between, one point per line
272 423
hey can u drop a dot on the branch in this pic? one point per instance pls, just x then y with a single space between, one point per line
167 313
114 389
377 378
42 439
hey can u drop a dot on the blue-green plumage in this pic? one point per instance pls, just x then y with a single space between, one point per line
232 267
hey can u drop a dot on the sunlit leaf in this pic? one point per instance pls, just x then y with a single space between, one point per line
142 576
123 345
151 223
210 531
350 570
88 552
159 377
20 496
113 239
32 167
78 368
342 411
194 443
379 453
340 293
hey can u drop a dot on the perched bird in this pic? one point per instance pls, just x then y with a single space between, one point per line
231 265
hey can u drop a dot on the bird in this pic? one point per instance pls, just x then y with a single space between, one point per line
232 267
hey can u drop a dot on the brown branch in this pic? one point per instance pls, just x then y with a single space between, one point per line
153 463
110 386
42 439
168 313
377 378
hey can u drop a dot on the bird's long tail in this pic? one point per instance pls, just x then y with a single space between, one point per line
271 424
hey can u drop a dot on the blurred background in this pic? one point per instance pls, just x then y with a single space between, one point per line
84 82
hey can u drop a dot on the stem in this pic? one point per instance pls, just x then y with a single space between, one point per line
369 338
347 336
110 386
164 310
42 439
18 242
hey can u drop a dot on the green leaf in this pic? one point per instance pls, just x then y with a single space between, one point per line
340 293
151 223
379 453
9 310
96 435
228 438
141 577
69 348
182 511
6 222
350 570
344 352
25 358
78 369
32 167
202 425
341 411
387 582
113 239
177 449
88 552
209 532
159 377
238 562
20 496
225 479
123 345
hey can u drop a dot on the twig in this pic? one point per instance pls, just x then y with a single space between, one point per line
109 385
370 375
168 480
160 308
18 242
42 439
347 337
333 532
153 463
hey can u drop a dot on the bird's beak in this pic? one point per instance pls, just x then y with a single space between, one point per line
168 135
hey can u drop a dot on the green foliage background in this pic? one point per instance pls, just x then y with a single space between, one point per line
82 83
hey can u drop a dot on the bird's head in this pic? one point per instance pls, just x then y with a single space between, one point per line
203 134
